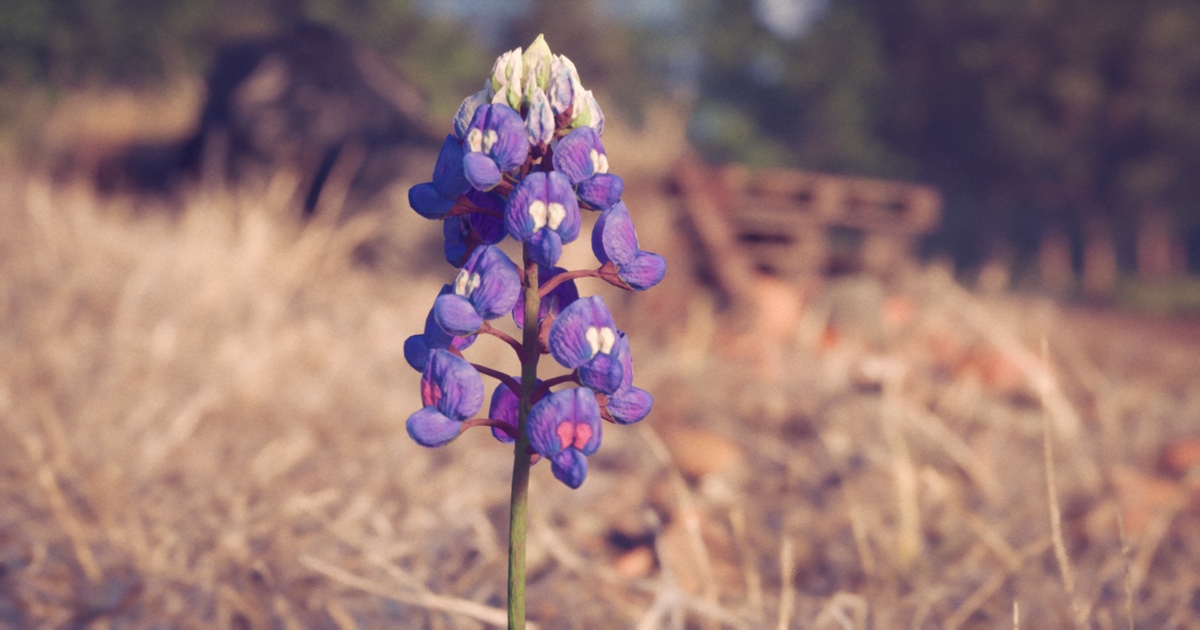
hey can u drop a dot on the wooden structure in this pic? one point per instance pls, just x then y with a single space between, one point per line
794 224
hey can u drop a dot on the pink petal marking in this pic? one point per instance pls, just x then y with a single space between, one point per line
583 433
566 433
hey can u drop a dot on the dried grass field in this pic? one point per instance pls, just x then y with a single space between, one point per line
201 425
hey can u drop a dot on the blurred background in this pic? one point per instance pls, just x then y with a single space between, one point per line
925 356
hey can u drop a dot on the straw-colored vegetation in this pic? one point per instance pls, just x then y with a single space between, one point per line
201 425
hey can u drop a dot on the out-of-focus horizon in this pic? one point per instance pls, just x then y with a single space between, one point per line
1042 123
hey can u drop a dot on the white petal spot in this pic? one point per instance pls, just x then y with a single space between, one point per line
608 337
593 338
600 339
466 282
599 162
555 214
489 140
475 140
537 210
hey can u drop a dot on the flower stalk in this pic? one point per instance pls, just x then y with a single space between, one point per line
524 159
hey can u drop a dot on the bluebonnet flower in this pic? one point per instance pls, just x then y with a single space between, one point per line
466 112
614 239
452 392
486 287
628 404
584 337
544 213
433 200
506 407
564 427
554 302
465 232
495 143
506 81
564 86
417 348
581 157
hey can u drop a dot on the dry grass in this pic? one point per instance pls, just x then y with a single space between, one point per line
201 425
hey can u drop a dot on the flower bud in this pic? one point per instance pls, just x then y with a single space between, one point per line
536 62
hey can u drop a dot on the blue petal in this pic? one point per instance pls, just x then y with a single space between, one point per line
539 123
630 405
516 213
568 334
647 270
614 238
456 315
601 191
429 427
428 202
569 467
456 230
451 384
603 373
573 155
555 302
448 175
416 352
511 146
572 406
505 407
500 282
481 171
545 247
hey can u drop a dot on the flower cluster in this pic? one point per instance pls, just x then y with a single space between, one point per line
524 160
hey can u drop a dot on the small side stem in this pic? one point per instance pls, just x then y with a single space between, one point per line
498 375
519 504
553 283
487 329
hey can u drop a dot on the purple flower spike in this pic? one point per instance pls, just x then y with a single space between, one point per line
486 287
555 302
584 337
614 239
451 391
434 199
564 427
543 212
581 157
417 348
494 144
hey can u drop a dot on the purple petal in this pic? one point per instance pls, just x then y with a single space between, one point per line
457 230
481 171
543 201
568 340
505 407
428 202
614 238
452 385
603 373
429 427
456 315
416 352
448 175
499 281
545 247
601 191
539 123
510 147
580 155
569 467
630 405
571 413
647 270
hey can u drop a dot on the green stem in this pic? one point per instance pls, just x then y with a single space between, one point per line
519 504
